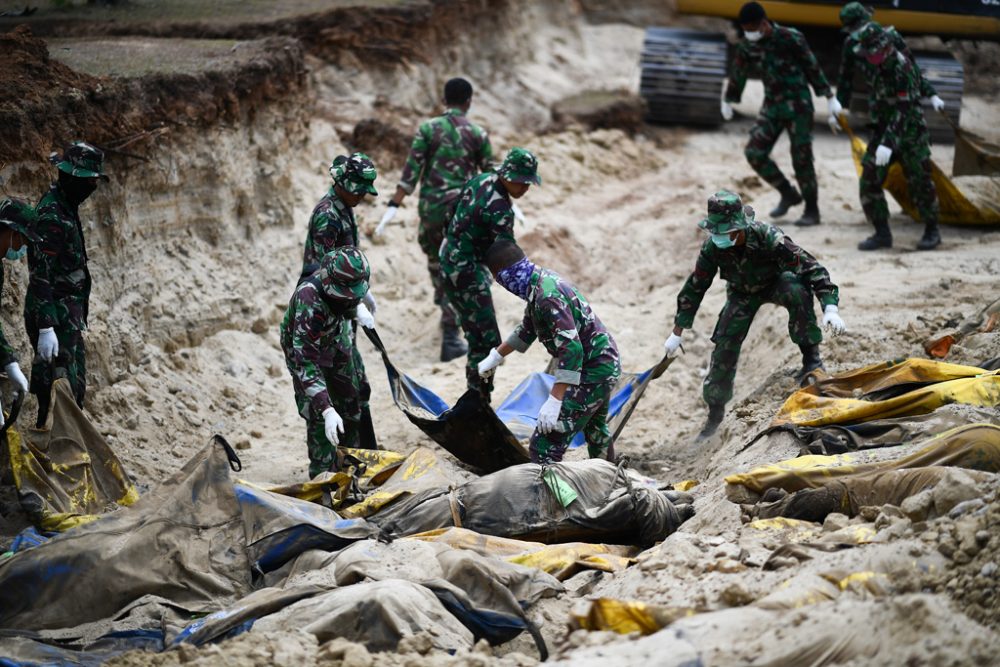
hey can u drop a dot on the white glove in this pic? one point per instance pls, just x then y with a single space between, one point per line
882 156
937 103
548 416
832 321
833 105
488 365
333 425
2 422
835 110
727 110
48 344
387 217
364 318
17 377
518 213
672 345
369 300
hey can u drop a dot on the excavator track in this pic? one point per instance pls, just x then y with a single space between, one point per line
682 75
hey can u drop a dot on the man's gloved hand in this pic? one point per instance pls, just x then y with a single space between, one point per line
672 345
369 300
364 317
17 377
548 416
836 110
48 344
518 214
726 110
333 425
832 320
387 217
937 103
882 156
488 366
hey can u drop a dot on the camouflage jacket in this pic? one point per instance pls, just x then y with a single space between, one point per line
786 65
896 91
446 152
483 215
849 59
59 280
331 226
6 350
559 316
313 338
752 268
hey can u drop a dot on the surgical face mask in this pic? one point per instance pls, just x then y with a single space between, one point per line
875 58
723 241
753 35
14 255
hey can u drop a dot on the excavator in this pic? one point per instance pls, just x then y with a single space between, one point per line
683 70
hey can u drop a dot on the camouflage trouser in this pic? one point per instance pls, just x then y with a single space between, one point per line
584 408
69 363
790 292
914 156
349 393
429 236
765 133
468 290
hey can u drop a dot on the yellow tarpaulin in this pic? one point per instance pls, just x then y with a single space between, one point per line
377 465
839 398
627 616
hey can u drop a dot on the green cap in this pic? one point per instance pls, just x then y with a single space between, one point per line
520 166
871 38
725 213
356 174
854 14
20 216
82 160
344 273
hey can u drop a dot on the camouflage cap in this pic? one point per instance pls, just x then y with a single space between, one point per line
853 14
725 213
356 173
82 160
871 38
20 216
344 273
520 166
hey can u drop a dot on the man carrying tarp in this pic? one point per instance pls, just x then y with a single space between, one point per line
787 67
58 297
447 152
319 352
484 214
760 265
900 134
16 219
588 365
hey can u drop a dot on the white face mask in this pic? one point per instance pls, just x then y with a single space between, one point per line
753 36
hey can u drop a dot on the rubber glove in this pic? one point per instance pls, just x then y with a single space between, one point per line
333 425
832 321
937 103
835 110
48 344
17 377
548 416
672 345
488 365
727 110
369 300
364 317
387 217
518 214
882 156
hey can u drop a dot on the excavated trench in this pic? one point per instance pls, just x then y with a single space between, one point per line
221 133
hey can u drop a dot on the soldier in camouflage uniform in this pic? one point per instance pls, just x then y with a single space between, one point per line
900 134
331 226
447 151
17 220
58 297
588 365
760 265
483 215
319 352
788 67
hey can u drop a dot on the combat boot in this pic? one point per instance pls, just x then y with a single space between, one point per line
452 345
931 238
882 238
811 361
810 216
715 415
789 197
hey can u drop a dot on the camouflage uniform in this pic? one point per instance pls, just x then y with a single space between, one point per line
849 60
483 215
320 355
561 318
787 67
446 152
769 268
20 217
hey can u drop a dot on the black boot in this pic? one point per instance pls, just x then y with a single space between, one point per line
452 345
789 198
715 415
810 216
882 238
811 361
931 238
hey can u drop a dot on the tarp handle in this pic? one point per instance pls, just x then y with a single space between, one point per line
15 410
234 461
